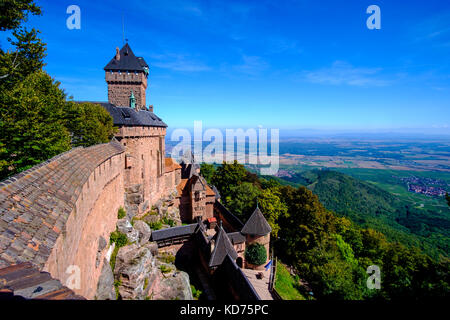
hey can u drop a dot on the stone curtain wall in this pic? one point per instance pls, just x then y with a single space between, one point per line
144 178
120 86
60 213
263 240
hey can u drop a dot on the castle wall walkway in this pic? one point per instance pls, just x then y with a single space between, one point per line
55 215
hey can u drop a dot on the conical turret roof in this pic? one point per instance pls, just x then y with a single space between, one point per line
222 247
256 225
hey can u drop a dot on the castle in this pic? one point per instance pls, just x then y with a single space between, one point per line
60 213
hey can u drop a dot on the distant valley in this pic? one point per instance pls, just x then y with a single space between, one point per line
394 187
426 155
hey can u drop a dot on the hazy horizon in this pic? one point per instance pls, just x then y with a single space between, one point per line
285 64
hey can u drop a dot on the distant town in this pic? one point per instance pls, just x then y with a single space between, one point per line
427 186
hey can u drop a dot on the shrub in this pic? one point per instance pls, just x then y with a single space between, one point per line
164 268
256 254
121 213
112 260
167 257
117 284
120 239
196 293
168 221
155 225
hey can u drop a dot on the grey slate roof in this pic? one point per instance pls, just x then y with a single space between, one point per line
222 248
216 191
125 116
127 62
173 232
256 225
236 237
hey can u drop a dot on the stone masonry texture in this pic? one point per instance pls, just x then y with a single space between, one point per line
45 211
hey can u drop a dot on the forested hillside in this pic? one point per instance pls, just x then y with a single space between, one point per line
330 252
370 206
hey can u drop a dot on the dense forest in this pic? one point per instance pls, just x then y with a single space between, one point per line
368 205
329 251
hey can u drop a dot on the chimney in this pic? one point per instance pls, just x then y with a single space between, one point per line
117 54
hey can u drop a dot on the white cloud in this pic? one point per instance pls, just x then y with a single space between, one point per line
343 73
178 62
252 65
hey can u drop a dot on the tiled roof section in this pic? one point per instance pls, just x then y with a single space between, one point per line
181 187
236 237
126 116
222 247
35 204
195 178
25 281
171 165
174 232
256 225
127 62
209 191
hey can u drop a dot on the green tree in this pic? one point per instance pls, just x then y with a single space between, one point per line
207 171
32 124
346 250
330 276
14 12
28 51
305 224
272 208
447 197
242 199
256 254
228 175
269 183
88 124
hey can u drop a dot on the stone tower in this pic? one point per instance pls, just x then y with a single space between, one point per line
257 230
126 76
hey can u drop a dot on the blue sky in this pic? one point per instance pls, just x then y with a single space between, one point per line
280 64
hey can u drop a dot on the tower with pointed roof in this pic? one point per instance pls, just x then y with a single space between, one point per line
257 230
126 76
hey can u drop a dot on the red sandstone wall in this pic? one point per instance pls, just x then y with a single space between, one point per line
94 215
145 149
120 86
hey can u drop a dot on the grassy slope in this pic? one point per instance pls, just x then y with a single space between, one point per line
286 285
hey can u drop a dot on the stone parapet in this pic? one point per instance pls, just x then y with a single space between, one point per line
54 214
